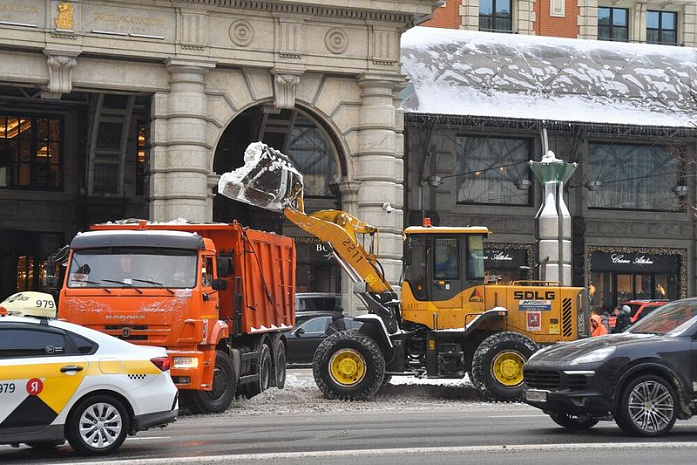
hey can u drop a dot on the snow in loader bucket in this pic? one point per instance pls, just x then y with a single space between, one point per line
267 180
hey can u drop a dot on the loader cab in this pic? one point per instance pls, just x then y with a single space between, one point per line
443 276
440 262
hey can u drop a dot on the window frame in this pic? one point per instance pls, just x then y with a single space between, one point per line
494 17
603 164
611 27
13 164
525 172
660 30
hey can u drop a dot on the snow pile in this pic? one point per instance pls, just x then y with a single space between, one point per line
515 76
301 395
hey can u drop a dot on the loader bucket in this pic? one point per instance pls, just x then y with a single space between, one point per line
267 180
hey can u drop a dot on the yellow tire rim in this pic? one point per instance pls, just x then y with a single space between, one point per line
347 367
507 368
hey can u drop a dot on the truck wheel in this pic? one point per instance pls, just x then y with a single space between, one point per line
348 365
497 365
280 364
647 407
97 425
574 422
218 399
266 373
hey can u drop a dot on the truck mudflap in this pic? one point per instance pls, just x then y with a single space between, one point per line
267 180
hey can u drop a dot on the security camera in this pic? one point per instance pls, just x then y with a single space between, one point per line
387 207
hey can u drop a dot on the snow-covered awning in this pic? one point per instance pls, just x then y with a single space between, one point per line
454 72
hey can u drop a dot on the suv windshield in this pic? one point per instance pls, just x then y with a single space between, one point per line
130 267
669 318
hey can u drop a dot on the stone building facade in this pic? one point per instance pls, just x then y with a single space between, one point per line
114 109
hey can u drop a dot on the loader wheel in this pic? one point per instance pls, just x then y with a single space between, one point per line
348 365
280 364
574 422
218 399
497 366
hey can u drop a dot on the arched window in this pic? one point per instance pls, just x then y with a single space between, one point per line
312 154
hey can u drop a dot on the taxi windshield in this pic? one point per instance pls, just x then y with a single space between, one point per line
133 267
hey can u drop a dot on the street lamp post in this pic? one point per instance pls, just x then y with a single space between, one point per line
554 219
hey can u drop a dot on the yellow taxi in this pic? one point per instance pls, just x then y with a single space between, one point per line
61 381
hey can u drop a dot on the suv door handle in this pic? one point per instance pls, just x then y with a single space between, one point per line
71 368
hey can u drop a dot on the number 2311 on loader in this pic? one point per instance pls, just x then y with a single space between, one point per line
448 322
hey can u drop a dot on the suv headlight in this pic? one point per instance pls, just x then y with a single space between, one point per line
598 355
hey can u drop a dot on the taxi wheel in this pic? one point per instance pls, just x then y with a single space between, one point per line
97 425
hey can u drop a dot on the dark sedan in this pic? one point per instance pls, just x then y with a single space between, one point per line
309 332
644 379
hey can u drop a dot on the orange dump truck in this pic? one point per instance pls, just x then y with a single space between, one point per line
219 297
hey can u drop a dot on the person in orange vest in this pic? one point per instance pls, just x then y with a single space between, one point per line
597 327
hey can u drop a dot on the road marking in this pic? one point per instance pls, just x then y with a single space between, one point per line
506 449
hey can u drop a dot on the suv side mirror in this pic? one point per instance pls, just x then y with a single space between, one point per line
299 332
219 284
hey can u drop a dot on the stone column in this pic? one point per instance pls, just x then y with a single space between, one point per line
180 164
378 167
349 203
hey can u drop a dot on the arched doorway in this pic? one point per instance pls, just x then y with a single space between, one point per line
310 145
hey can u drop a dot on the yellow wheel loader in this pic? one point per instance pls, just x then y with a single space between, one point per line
448 322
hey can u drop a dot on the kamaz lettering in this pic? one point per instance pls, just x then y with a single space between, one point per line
533 295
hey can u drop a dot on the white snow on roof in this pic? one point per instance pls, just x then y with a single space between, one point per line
470 73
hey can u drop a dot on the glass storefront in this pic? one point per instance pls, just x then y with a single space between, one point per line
619 276
503 262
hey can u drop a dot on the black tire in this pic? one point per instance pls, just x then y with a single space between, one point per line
218 399
97 425
633 415
386 379
266 373
497 366
574 422
280 361
186 401
348 365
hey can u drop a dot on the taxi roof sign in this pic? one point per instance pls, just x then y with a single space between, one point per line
29 303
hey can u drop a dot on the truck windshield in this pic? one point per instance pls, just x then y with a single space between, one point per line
121 267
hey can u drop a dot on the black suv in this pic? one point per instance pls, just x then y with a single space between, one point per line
644 378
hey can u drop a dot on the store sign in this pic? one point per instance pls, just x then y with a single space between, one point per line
504 258
634 262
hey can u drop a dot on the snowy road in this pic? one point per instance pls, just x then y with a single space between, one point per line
411 421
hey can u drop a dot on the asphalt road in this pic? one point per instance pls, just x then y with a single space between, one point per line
457 432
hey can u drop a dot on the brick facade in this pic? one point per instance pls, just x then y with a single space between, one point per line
447 16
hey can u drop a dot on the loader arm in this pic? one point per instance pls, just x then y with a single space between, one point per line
339 229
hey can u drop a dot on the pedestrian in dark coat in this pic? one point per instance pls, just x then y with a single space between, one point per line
623 321
338 323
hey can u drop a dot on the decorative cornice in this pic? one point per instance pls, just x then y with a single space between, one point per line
309 10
